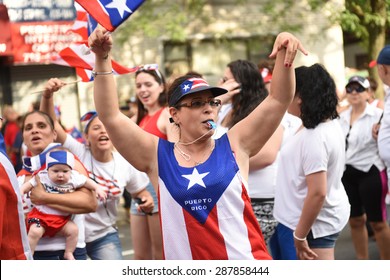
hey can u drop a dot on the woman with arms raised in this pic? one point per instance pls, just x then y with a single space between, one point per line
205 210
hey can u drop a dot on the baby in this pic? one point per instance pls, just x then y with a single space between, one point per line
58 177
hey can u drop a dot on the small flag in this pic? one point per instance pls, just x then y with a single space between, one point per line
110 13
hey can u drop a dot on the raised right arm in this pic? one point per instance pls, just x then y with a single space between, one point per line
47 106
135 145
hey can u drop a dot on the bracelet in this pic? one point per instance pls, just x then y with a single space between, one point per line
297 238
94 73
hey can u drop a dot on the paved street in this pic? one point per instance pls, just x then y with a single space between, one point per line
344 248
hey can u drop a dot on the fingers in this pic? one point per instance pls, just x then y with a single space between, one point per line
100 41
53 85
306 254
291 44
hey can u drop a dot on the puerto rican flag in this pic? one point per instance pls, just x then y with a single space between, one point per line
80 56
80 25
77 56
191 84
76 134
207 207
110 13
13 235
84 23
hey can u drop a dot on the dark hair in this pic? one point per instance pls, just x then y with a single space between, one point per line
162 99
373 84
266 63
253 90
43 114
317 90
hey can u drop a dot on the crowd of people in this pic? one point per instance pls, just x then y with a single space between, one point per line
264 165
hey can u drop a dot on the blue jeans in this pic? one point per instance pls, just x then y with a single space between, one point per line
107 247
79 254
282 244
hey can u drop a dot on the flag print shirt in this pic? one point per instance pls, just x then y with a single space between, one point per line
205 210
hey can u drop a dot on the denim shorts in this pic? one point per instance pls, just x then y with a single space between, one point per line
328 241
107 247
149 188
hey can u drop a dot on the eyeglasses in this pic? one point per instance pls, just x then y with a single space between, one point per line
198 103
358 89
149 67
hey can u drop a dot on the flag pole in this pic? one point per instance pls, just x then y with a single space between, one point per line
67 83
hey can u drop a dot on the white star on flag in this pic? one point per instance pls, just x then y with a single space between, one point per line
120 5
195 178
186 87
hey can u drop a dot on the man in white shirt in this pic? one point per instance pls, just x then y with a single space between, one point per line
383 64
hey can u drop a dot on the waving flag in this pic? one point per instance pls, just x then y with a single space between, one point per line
110 13
80 25
74 56
84 23
78 55
13 236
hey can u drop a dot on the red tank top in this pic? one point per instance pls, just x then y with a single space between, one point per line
149 124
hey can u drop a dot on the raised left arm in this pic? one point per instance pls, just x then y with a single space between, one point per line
248 136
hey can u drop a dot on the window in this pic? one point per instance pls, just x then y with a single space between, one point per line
209 57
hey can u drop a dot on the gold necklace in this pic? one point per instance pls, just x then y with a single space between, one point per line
188 157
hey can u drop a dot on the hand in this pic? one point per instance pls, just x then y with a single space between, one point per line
145 204
101 194
289 42
100 42
52 86
303 250
37 194
232 87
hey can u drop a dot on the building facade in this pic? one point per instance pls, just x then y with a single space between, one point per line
231 31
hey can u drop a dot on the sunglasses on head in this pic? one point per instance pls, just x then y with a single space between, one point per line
149 67
358 89
198 103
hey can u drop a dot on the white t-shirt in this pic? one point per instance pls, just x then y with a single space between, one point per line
262 182
307 152
114 177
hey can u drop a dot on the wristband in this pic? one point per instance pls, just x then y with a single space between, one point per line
297 238
94 73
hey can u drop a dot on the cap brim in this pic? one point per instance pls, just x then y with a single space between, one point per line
357 82
216 91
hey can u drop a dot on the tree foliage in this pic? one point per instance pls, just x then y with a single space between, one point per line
368 21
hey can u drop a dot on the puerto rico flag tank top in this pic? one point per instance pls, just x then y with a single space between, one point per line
205 210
